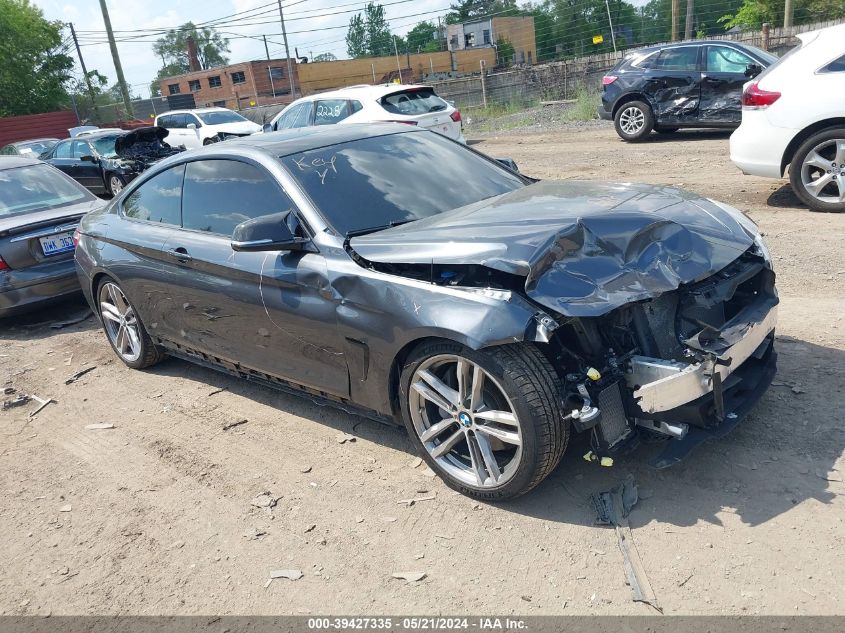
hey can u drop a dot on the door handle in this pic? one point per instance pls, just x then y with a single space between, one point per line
180 254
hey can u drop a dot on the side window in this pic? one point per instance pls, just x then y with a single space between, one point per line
330 111
81 148
836 66
178 121
721 59
297 116
356 106
220 194
165 120
681 58
62 150
190 118
9 150
158 199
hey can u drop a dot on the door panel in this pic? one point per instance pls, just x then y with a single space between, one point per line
87 172
271 312
672 85
721 85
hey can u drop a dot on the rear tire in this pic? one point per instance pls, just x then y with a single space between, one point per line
817 171
634 121
499 440
123 328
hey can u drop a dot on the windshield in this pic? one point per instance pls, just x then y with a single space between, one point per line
221 116
374 182
105 145
37 147
36 188
411 102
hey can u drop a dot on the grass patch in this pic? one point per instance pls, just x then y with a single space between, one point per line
584 108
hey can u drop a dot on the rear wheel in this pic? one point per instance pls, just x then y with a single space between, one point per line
817 171
123 328
487 422
634 121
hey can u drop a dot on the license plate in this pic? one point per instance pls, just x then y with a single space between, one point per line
57 243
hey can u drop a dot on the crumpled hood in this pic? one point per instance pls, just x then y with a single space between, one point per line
152 134
585 248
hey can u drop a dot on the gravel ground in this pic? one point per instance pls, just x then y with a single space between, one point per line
169 513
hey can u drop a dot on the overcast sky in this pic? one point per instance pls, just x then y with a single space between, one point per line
307 25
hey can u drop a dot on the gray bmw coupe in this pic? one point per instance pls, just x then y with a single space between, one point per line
410 278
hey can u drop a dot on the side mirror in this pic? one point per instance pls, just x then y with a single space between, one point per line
267 127
88 158
752 70
276 232
191 126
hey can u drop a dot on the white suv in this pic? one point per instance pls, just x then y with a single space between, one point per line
203 126
793 117
413 105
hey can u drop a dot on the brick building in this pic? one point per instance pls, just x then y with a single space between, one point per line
235 86
518 30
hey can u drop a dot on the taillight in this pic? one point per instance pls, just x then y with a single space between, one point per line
456 116
608 79
76 236
4 265
755 98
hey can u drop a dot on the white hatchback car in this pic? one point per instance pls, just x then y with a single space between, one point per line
793 117
203 126
395 103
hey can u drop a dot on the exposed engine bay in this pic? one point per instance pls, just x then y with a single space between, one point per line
144 147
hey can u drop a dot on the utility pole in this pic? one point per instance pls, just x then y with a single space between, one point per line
121 80
398 65
610 21
85 74
266 50
675 11
787 13
688 22
287 50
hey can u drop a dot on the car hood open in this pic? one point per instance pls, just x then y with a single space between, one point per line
584 248
140 136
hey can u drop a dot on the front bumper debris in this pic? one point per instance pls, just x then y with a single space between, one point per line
660 385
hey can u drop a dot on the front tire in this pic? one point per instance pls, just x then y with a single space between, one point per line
817 171
123 328
488 422
634 121
116 184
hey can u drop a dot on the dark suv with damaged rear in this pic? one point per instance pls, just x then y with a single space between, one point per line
409 278
690 84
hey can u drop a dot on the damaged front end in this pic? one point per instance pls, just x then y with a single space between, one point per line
141 148
687 365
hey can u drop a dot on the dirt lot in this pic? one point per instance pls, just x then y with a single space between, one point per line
155 515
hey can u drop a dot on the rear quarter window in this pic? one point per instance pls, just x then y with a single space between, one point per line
836 66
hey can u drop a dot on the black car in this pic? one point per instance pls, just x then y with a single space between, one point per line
692 84
410 278
105 162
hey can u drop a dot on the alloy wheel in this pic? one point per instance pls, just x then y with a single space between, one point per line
465 421
823 171
116 185
120 322
631 120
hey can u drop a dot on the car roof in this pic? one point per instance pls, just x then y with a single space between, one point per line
10 162
296 140
365 91
99 134
195 111
34 140
639 52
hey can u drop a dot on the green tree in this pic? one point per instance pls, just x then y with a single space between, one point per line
751 14
504 52
172 47
34 67
324 57
468 10
356 37
423 37
369 33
